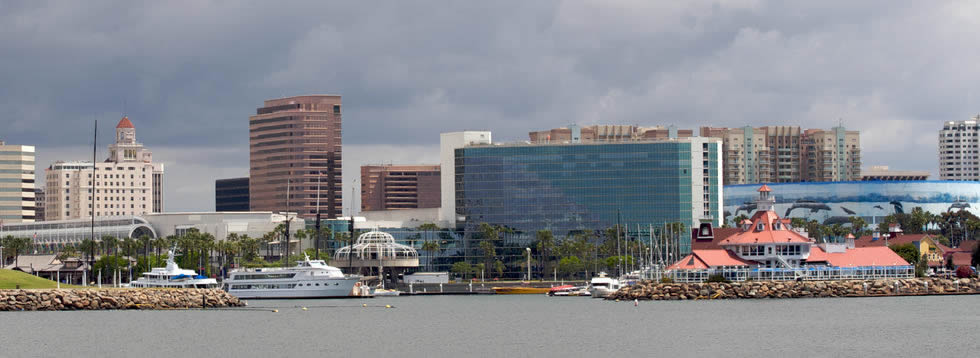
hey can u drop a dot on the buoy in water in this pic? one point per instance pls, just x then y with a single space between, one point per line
304 308
387 306
275 311
364 305
636 302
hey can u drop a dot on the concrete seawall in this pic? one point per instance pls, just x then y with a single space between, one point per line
113 299
649 290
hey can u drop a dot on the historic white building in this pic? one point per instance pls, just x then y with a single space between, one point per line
127 183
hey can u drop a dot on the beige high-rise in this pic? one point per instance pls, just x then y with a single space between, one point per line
127 183
296 140
16 183
607 133
786 154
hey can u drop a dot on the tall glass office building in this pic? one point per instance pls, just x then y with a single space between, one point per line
571 187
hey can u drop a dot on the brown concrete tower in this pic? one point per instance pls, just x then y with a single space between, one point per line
296 140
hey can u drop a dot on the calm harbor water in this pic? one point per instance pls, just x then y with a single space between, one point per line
494 326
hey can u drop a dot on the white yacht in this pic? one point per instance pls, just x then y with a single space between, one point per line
308 279
603 286
173 276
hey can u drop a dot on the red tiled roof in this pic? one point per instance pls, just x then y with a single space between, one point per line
720 233
689 262
764 188
866 241
962 258
767 234
865 256
817 254
967 246
702 259
124 123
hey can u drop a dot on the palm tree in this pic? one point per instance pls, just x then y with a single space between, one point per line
301 235
66 252
109 244
546 243
429 247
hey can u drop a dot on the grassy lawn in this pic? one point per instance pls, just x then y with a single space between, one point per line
9 279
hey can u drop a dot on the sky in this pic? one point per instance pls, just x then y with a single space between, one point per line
190 73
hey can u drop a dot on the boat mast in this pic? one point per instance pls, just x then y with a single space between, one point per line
285 249
316 227
91 255
619 251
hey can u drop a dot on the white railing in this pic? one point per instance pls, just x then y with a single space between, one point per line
812 273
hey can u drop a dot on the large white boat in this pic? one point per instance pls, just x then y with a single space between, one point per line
173 276
603 286
308 279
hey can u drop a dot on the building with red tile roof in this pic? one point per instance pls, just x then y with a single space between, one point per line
770 242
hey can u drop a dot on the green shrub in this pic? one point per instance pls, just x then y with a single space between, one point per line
717 278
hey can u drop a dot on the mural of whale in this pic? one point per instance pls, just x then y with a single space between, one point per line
807 204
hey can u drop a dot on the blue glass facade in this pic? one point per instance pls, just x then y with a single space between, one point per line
834 202
584 187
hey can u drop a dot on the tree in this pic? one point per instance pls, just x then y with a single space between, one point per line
857 225
545 246
490 235
462 268
908 252
498 266
975 260
67 252
569 266
429 247
739 219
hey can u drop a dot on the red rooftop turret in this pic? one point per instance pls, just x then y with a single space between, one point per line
125 123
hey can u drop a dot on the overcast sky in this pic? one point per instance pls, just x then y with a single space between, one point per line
189 74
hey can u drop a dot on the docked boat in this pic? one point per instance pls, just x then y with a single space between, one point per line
308 279
173 276
569 290
521 290
381 292
603 286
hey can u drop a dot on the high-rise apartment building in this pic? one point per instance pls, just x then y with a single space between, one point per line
17 183
786 154
231 194
607 133
392 187
296 140
127 183
959 155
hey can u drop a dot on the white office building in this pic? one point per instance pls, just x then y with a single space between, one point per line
959 155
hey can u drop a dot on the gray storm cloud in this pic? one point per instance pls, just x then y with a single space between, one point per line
190 73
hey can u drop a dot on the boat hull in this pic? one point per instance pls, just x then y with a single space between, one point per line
329 288
521 290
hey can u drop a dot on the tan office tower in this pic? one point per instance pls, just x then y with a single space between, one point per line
16 183
296 140
126 183
392 187
607 133
786 154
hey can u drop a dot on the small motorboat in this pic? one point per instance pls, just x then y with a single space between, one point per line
521 290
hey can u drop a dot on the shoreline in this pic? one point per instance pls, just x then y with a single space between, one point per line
649 290
77 299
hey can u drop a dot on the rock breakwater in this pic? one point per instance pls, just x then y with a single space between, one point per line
649 290
114 299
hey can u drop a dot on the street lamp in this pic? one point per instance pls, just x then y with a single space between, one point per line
528 264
